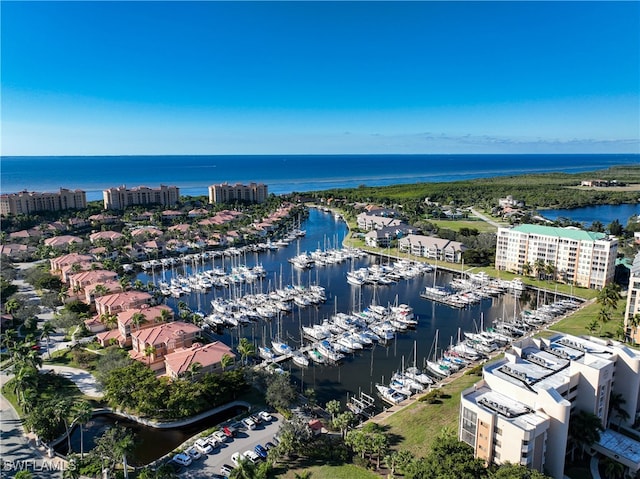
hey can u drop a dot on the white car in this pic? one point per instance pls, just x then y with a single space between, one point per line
251 456
182 459
248 422
194 453
235 457
220 436
203 446
265 416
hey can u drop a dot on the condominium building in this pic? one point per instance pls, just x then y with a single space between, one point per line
579 257
226 193
27 202
121 197
520 411
437 249
632 310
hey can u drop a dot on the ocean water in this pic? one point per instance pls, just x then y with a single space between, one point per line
282 173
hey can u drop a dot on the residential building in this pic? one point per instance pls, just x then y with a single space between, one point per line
226 193
158 341
382 238
121 197
153 315
208 356
632 310
114 303
438 249
520 411
584 258
368 222
27 202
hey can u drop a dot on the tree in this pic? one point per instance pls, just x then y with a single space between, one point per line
149 351
344 421
280 392
616 408
526 269
62 410
538 267
246 349
47 330
516 471
584 430
632 324
225 361
165 316
245 469
398 461
333 407
612 468
83 412
138 319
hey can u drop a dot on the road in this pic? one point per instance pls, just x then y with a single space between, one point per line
246 439
485 218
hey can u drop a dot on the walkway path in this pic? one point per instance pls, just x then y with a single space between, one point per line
486 219
85 381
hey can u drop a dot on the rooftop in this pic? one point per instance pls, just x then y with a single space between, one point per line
569 232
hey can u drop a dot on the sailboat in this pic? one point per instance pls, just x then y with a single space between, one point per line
435 366
414 373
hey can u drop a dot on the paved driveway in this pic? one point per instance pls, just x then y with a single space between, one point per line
246 439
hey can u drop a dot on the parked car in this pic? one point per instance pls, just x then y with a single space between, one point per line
260 451
235 458
194 453
220 436
255 418
182 459
177 468
265 416
213 442
251 456
230 431
226 469
248 422
269 445
203 446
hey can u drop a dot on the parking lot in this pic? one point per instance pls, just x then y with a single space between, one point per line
245 440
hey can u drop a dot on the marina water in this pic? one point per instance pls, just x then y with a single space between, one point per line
360 371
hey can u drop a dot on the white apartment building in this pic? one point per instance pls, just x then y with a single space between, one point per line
27 202
633 301
121 197
226 193
520 411
584 258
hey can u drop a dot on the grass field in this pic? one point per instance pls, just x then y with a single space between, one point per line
415 427
456 225
326 471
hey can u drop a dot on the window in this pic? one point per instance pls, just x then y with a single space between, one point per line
469 422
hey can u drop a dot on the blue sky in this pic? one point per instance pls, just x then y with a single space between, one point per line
85 78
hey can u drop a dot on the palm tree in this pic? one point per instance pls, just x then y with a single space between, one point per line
609 296
45 332
632 324
244 470
165 316
194 369
225 361
62 410
83 412
584 430
246 349
526 269
109 320
613 469
538 267
138 319
124 446
616 406
149 351
124 283
100 290
549 270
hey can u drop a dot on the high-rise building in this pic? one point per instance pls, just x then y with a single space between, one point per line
226 193
520 411
121 197
27 202
631 325
583 258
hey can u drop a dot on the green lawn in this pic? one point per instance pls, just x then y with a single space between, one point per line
415 427
345 471
576 324
456 225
